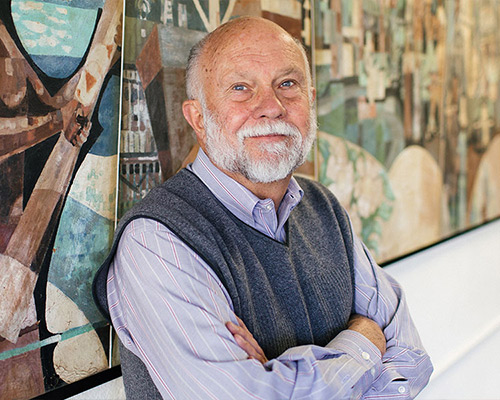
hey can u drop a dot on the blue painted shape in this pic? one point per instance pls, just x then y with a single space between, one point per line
81 245
107 143
92 4
56 66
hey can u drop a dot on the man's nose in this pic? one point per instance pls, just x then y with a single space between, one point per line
268 105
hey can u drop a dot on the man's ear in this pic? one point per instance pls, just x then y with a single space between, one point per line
313 93
194 116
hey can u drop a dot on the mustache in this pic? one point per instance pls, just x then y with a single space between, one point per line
269 128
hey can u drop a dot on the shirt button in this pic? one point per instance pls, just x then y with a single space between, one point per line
365 355
401 389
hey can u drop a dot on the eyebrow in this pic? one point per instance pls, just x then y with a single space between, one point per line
292 70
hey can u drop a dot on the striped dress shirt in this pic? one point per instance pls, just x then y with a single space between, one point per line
169 308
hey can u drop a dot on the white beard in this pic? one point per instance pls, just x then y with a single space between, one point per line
277 161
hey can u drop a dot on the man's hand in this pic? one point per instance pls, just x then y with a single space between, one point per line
246 340
369 329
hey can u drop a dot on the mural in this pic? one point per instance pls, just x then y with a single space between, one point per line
58 156
407 102
407 94
155 139
408 111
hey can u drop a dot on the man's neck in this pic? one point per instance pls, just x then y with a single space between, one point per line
273 190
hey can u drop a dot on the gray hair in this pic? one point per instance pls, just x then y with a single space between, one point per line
194 83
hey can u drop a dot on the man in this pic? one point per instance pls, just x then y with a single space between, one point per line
234 280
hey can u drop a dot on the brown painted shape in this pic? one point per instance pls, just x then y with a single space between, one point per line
291 25
171 131
24 244
21 375
12 81
247 7
26 132
149 61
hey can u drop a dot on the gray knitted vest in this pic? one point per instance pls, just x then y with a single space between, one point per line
288 294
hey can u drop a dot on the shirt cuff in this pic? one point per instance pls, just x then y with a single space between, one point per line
363 351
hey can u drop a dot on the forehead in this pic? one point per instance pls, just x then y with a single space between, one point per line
249 49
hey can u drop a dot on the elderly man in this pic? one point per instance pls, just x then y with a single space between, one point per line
235 280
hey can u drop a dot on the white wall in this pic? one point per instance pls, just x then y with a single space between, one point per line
453 290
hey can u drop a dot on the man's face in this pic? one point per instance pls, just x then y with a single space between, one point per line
258 119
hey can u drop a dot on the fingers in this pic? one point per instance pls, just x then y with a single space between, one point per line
249 349
240 321
246 341
248 336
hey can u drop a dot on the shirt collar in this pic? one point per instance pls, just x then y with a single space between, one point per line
233 195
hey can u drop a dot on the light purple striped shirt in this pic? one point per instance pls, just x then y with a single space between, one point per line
170 309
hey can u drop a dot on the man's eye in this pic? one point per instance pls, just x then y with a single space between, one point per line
287 84
239 87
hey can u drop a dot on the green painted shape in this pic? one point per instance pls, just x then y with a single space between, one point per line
70 333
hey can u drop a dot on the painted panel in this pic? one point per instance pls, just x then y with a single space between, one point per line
411 86
59 96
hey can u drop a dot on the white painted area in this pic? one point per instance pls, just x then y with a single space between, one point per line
112 390
453 290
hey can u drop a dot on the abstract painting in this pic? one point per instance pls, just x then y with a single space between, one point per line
408 116
59 90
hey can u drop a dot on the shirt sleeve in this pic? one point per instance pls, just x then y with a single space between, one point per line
405 367
170 309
